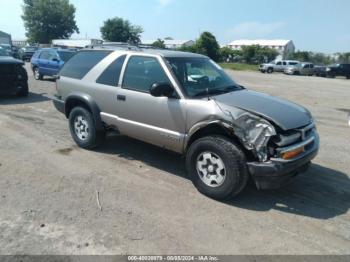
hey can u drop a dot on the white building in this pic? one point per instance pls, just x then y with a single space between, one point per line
284 47
171 44
75 43
19 42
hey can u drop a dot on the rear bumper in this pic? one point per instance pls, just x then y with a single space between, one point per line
278 172
58 103
12 88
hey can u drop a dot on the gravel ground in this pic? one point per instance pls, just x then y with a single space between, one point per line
48 187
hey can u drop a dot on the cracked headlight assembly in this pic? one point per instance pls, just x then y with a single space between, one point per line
255 133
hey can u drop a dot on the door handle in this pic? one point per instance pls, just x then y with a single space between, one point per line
121 97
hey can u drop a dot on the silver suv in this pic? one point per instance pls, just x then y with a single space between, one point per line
186 103
277 66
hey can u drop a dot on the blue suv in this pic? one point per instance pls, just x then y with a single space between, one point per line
49 61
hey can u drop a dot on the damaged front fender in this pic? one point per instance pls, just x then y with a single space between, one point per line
254 133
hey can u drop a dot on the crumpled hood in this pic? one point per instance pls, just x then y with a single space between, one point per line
283 113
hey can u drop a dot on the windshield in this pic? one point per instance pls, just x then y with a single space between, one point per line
201 76
3 52
65 56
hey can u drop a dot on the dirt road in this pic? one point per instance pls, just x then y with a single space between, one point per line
49 187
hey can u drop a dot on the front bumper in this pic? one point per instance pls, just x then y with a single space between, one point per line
278 172
58 103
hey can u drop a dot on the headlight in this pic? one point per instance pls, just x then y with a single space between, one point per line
255 133
328 69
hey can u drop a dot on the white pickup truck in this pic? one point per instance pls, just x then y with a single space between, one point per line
277 66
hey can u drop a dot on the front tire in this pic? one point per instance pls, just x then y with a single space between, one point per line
83 129
24 91
269 70
217 167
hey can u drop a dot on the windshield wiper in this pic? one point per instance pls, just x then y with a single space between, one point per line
218 91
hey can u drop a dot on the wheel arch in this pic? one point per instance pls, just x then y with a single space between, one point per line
86 101
216 127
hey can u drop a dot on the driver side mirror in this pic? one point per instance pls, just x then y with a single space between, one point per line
160 89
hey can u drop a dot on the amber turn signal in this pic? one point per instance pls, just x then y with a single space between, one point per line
293 153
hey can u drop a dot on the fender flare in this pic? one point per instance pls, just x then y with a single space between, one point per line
200 125
89 102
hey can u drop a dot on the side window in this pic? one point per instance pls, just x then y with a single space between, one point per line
141 72
311 66
112 73
52 55
279 63
81 63
284 63
44 55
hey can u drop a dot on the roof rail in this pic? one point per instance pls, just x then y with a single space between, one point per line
114 45
122 45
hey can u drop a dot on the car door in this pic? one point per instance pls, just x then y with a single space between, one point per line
284 65
52 63
157 120
341 69
312 70
44 62
279 66
305 69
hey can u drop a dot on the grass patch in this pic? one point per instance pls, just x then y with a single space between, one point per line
239 66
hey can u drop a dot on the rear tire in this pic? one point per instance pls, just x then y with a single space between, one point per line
83 129
217 167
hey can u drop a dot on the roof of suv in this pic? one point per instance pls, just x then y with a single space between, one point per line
153 51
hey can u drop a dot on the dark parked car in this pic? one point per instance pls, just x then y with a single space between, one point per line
338 70
49 61
13 76
320 71
26 53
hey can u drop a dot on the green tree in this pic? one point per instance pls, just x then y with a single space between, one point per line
192 48
254 54
45 20
207 45
344 57
159 43
248 53
228 54
119 30
316 58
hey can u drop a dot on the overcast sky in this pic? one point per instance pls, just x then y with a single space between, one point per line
316 25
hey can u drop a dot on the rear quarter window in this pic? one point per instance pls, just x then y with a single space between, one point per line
112 73
81 63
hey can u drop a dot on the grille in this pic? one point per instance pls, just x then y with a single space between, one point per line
291 137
